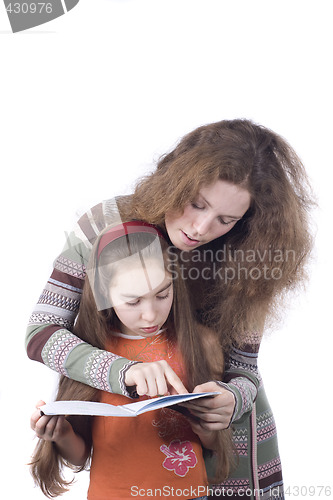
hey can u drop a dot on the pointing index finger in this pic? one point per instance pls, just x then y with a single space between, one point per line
175 382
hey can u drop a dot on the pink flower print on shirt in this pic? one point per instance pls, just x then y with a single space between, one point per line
180 457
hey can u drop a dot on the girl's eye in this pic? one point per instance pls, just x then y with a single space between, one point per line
134 303
162 297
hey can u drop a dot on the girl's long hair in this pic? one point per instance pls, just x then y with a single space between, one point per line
95 321
238 279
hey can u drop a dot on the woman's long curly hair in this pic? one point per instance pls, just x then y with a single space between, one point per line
97 319
265 253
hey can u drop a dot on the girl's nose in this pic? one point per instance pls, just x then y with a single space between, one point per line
148 313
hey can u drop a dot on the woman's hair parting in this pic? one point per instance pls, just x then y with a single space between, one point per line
117 245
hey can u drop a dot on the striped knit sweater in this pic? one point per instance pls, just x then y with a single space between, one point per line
49 340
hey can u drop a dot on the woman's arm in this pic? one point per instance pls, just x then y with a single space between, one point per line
242 377
57 429
49 339
238 390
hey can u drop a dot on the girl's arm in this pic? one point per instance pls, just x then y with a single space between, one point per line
57 429
208 438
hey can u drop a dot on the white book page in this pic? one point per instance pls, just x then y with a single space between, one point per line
104 409
162 402
84 408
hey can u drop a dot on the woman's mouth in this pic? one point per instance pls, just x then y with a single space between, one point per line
188 240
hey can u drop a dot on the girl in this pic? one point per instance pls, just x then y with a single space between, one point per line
233 197
126 308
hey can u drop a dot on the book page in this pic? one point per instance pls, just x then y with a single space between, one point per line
84 408
162 402
128 410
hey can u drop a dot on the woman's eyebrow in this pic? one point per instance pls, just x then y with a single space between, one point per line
234 217
229 216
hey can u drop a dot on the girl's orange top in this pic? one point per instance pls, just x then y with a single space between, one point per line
155 454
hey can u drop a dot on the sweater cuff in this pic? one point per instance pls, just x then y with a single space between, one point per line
245 393
117 377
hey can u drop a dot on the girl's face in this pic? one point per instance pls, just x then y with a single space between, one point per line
142 297
213 213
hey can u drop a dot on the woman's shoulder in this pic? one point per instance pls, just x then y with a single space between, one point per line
110 211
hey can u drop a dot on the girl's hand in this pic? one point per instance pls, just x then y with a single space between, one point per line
153 379
214 413
50 428
71 446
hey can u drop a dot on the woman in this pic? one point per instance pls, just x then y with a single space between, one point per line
233 198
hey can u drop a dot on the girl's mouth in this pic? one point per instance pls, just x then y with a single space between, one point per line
151 329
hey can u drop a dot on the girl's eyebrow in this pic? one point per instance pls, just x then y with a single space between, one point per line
165 288
125 296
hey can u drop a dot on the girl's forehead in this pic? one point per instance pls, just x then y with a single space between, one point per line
139 278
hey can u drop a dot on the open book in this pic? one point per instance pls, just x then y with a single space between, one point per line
129 410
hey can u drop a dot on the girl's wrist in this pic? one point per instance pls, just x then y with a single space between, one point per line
72 448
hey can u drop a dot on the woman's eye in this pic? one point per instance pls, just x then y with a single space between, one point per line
197 206
226 223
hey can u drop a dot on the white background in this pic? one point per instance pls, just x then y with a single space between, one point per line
87 104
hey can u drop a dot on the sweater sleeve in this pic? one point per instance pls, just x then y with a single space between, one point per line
242 377
49 339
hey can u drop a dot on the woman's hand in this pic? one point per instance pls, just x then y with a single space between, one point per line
153 379
215 413
50 428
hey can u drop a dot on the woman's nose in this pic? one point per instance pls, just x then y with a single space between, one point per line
202 224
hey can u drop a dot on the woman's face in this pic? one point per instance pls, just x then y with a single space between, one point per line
213 213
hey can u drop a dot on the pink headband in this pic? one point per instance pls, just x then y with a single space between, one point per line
124 229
